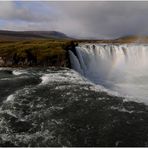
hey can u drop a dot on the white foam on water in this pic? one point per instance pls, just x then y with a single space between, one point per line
10 98
121 109
19 72
63 76
73 77
4 68
1 68
24 92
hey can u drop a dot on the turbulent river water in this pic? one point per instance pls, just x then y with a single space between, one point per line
61 107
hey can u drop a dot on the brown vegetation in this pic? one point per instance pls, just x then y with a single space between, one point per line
33 52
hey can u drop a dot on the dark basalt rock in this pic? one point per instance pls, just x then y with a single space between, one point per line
31 59
71 47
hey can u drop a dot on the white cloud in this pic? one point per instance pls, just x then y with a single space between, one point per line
82 19
6 9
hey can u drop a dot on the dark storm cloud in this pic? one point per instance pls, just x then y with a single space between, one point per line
80 19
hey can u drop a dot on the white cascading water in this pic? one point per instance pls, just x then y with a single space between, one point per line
122 68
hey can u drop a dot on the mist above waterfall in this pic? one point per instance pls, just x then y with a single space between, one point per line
122 68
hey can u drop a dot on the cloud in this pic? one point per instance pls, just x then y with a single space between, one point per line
79 19
24 11
109 19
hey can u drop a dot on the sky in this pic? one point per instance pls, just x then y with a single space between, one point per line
98 19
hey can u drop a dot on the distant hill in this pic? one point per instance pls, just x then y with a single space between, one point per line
120 40
27 35
132 39
19 35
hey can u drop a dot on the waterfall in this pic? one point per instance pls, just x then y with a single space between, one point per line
123 68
